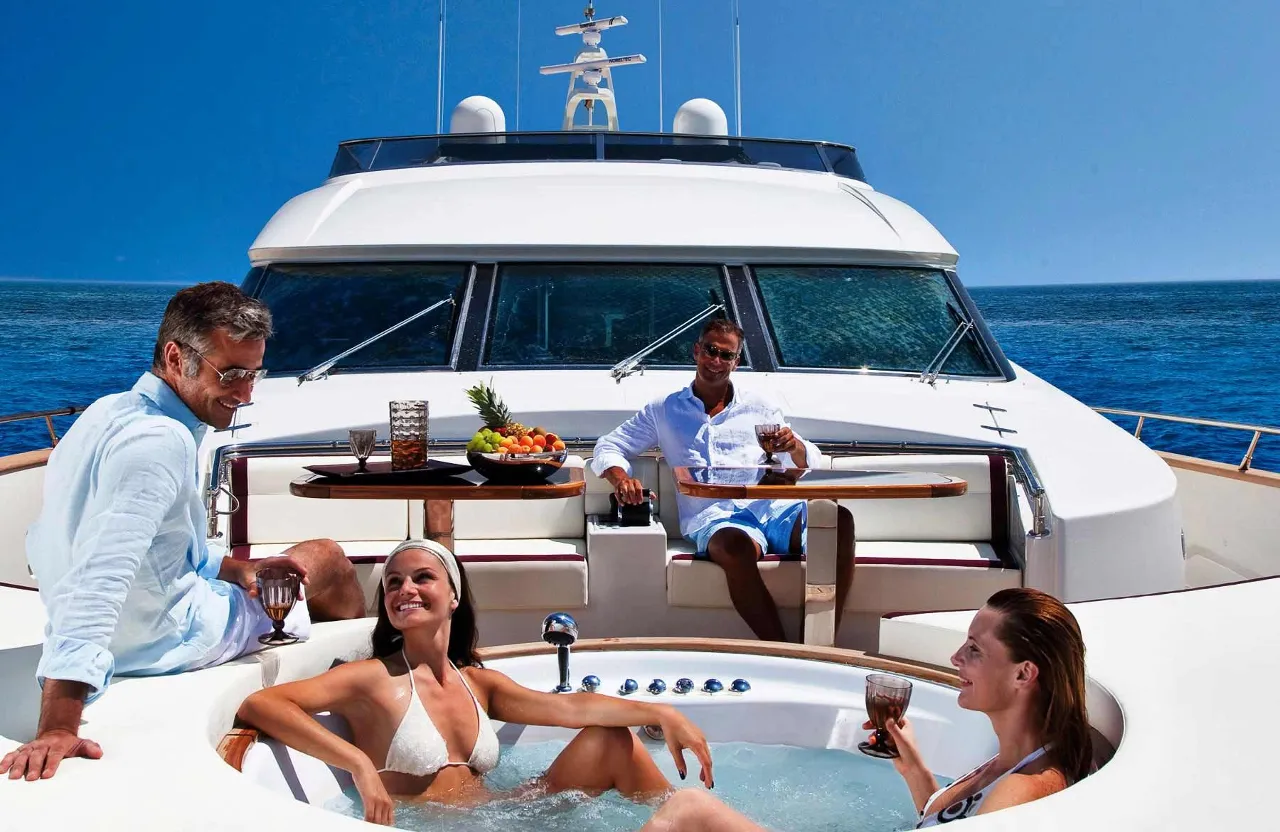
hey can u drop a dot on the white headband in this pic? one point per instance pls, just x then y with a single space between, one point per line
442 554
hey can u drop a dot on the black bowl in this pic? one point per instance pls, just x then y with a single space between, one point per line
512 469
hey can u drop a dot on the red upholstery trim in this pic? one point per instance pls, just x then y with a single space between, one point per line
242 553
1000 506
766 558
361 559
972 564
8 585
516 558
240 488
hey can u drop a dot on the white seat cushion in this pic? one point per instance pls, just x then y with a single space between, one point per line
268 513
893 576
538 573
967 517
700 583
888 576
519 519
925 553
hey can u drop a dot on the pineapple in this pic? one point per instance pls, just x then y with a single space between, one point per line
493 412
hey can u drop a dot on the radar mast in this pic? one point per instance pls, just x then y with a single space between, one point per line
590 74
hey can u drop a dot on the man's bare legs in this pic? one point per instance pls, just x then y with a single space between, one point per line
737 554
333 593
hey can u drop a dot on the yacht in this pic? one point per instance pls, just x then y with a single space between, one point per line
570 271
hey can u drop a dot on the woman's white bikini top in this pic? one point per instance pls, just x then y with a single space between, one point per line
418 748
968 807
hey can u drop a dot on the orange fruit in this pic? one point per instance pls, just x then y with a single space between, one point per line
557 445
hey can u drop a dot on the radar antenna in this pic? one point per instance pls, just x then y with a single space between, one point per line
590 74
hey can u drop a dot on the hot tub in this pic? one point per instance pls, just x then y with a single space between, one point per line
785 750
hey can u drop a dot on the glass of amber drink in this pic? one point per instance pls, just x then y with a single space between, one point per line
887 698
277 592
408 435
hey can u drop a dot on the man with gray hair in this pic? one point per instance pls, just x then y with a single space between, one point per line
125 572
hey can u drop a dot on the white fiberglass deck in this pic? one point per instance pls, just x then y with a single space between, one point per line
1161 657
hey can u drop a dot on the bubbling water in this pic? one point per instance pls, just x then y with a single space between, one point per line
781 787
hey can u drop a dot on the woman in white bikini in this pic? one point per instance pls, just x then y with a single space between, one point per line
1023 666
419 710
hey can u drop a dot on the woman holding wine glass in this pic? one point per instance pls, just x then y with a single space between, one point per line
1022 664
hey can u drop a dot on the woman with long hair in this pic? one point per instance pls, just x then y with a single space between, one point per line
420 709
1022 664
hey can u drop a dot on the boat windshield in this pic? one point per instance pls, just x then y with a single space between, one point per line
597 315
362 155
321 310
866 318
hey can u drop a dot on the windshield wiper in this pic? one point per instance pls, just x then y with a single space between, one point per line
631 364
321 370
963 327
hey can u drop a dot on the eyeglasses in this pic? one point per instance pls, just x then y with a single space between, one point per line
235 375
716 352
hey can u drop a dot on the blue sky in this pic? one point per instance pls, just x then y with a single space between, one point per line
1051 142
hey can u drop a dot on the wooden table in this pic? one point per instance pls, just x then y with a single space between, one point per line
762 483
821 487
438 494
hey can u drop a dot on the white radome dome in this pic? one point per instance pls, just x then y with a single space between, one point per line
701 117
477 114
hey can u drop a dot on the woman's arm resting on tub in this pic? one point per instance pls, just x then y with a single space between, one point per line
285 712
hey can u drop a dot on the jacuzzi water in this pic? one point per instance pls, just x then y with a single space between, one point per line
781 787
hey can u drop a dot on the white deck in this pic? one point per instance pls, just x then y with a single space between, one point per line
1183 762
1194 674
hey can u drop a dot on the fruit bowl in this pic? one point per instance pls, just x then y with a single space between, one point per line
516 469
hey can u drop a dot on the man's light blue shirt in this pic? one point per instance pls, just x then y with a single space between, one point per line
119 549
680 427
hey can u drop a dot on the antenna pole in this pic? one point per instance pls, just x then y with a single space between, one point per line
660 114
737 69
519 5
440 77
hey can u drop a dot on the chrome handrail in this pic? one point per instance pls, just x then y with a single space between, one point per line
47 415
1144 415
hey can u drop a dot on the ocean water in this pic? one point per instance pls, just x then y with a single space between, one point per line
1191 349
781 787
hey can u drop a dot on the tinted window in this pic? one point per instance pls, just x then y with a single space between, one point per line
869 317
321 310
597 315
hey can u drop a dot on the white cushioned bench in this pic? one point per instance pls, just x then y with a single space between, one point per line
519 554
938 549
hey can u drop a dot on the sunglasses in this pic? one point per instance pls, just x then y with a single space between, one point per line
716 352
235 375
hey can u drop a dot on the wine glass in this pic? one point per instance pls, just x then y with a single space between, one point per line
278 592
767 436
362 442
887 698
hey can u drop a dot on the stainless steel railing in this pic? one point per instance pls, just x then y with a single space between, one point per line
1143 416
47 415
